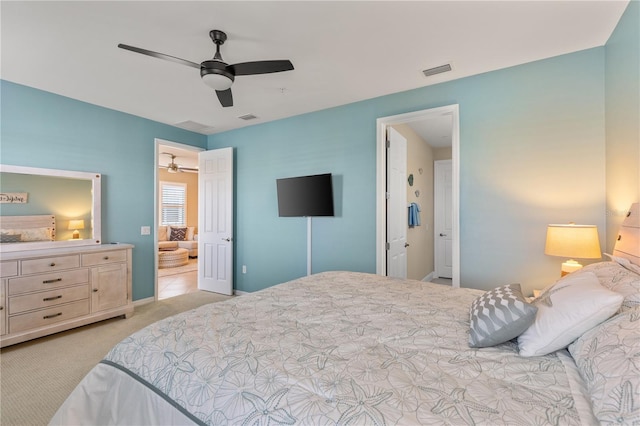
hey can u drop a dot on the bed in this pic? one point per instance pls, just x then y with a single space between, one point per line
17 229
353 348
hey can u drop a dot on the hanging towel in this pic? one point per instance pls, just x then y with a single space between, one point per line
414 215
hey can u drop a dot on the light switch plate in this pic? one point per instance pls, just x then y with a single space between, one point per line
145 230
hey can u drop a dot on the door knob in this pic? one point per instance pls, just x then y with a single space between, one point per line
406 244
443 235
226 239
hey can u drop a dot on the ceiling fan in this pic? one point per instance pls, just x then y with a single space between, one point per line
172 167
216 73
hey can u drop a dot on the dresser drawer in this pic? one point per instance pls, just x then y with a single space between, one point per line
92 259
48 316
8 268
48 264
50 281
45 299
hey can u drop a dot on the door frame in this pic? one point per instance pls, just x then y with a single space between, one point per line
156 205
381 179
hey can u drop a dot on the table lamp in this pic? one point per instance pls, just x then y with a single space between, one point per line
76 224
571 240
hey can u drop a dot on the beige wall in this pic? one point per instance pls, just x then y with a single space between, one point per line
442 153
191 179
420 238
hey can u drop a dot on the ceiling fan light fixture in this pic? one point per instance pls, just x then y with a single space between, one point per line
217 81
215 75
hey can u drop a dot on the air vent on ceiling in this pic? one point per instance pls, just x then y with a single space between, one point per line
196 127
437 70
247 117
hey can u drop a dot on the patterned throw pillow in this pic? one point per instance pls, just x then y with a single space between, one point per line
178 234
499 315
608 358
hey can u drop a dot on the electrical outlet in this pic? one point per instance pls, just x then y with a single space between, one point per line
244 269
145 230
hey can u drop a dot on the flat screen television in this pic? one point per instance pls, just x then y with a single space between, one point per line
305 196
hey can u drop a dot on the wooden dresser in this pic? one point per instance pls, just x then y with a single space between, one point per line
48 291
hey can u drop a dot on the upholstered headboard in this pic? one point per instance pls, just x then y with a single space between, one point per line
29 228
628 241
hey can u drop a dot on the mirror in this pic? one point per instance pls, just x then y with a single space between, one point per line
48 208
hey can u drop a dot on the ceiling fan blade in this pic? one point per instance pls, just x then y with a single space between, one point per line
225 97
187 169
260 67
159 55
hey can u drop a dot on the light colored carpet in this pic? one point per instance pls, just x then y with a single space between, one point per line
37 376
191 266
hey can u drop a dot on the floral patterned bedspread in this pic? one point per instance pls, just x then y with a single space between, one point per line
343 348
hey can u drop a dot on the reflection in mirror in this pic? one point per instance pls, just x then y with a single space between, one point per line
47 208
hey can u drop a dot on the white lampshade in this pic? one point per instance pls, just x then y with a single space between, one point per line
76 224
217 81
571 240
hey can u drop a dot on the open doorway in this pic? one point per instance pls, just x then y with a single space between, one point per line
176 219
434 136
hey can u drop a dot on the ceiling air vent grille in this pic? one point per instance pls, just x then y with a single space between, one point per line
247 117
437 70
196 127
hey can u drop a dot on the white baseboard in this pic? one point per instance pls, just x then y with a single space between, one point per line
141 302
240 292
429 277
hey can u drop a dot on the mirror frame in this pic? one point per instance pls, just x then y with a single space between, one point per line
95 179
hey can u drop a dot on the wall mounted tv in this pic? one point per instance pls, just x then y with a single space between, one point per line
305 196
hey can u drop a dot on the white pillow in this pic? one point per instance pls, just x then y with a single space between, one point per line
163 233
190 232
624 262
572 306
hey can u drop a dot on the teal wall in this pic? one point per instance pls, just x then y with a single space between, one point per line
531 153
622 86
41 129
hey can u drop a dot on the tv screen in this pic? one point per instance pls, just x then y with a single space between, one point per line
305 196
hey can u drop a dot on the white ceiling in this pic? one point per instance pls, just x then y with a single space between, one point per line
183 157
342 51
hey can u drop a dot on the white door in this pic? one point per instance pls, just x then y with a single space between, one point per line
443 218
215 221
397 212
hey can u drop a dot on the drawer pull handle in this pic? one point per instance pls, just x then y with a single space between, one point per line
106 258
48 299
52 316
56 280
95 290
52 264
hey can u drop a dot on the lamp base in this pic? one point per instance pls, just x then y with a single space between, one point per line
76 235
568 267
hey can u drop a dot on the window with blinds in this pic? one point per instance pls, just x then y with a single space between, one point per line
173 203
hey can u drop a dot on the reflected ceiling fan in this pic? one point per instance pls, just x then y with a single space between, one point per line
172 167
216 73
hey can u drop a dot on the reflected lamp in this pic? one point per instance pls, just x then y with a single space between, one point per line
76 224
